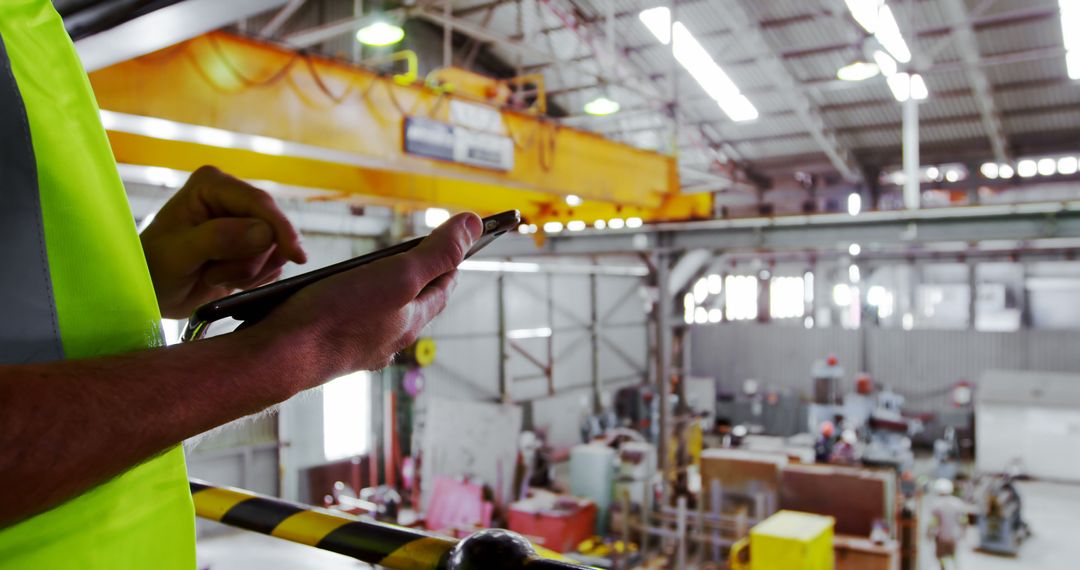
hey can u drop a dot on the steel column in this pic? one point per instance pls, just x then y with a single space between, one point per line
911 154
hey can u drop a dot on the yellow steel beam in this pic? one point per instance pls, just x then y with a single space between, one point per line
244 86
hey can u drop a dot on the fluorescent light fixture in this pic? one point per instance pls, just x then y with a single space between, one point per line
572 200
933 173
854 204
1027 168
866 13
1047 166
716 284
616 223
857 71
885 63
634 222
1005 171
900 85
523 229
160 128
854 249
1067 165
918 88
889 36
658 21
602 106
841 295
214 137
952 175
853 273
701 66
267 145
434 217
380 33
701 290
504 266
553 227
599 224
1070 22
575 226
701 315
989 170
520 334
715 315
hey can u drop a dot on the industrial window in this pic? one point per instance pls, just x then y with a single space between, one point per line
347 416
787 298
741 303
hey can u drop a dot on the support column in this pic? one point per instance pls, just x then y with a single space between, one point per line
911 154
594 338
662 319
500 293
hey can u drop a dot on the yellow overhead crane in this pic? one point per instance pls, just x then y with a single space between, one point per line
264 112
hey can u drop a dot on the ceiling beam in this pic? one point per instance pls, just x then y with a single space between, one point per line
748 32
967 45
280 18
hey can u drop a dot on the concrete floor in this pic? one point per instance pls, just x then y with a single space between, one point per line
1053 512
1051 509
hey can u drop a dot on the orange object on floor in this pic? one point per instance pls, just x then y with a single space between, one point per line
560 527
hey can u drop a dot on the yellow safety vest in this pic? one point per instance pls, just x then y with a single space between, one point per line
74 284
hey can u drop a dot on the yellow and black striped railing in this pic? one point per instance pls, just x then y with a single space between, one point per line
390 546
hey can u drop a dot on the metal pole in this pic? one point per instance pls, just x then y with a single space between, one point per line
388 546
448 35
680 526
911 154
357 48
594 337
500 292
663 361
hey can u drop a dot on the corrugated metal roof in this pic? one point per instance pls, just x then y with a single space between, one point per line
1019 39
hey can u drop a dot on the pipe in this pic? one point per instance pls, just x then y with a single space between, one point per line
389 546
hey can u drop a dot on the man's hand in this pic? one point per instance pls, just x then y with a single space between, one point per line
359 319
216 235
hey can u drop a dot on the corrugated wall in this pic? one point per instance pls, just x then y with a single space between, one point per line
921 364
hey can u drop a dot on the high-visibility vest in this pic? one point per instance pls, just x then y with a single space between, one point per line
74 284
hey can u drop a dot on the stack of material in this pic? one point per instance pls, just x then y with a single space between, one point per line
856 498
743 478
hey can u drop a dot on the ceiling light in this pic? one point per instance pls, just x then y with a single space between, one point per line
573 200
1070 21
1005 171
701 290
1027 168
900 85
1047 166
889 36
933 173
918 88
854 249
575 226
213 137
553 227
633 222
701 66
866 13
523 229
658 21
716 284
267 145
380 33
886 64
701 315
854 204
715 315
434 217
857 71
616 223
602 106
989 170
1067 165
841 295
599 224
853 273
952 175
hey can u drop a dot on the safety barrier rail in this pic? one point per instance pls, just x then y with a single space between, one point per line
393 547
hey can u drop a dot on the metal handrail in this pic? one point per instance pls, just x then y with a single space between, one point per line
390 546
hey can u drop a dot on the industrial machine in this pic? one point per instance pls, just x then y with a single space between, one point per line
889 433
1001 525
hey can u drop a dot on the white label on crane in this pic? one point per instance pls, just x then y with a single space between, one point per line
477 117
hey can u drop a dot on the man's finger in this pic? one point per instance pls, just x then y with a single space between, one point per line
231 272
432 300
223 239
442 251
225 195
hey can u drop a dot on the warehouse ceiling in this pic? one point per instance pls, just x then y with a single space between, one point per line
994 70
